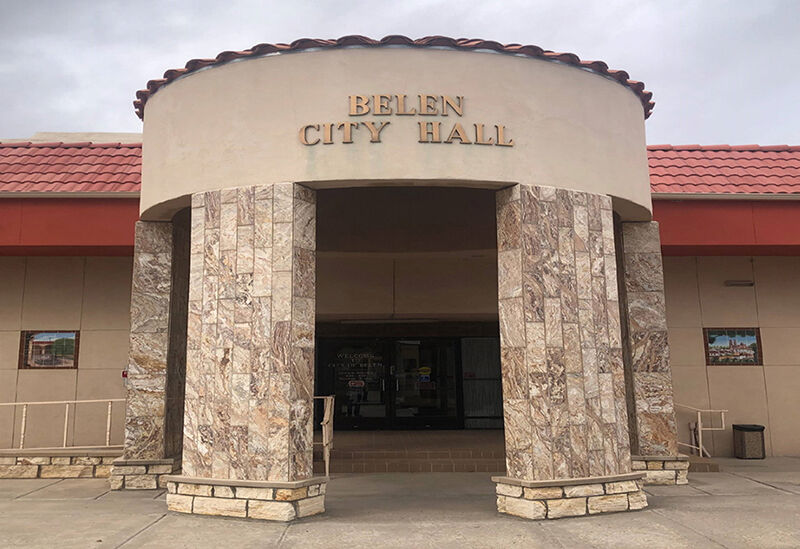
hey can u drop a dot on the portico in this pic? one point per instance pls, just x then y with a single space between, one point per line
227 266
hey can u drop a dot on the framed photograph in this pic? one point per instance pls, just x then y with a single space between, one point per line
732 346
48 349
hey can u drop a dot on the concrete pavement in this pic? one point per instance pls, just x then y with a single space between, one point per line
750 504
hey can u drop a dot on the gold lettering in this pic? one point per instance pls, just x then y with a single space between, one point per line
359 105
381 104
375 133
425 105
327 134
458 133
401 106
347 131
429 132
304 134
456 105
501 142
479 136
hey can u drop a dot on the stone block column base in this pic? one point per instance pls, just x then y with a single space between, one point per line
264 500
552 499
142 474
662 470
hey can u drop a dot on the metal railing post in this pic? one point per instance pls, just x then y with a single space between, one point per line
700 433
66 424
698 428
108 425
24 423
327 430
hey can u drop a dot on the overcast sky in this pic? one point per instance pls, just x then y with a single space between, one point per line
721 72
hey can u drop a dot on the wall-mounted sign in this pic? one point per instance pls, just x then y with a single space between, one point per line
420 105
732 346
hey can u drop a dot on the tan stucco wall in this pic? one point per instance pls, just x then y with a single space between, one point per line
91 294
237 125
696 297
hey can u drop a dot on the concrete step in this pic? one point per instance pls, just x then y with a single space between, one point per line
368 455
462 465
699 464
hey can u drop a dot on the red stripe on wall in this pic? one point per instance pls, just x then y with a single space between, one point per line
67 226
105 226
728 227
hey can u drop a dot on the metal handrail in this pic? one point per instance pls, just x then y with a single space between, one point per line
697 428
327 430
66 403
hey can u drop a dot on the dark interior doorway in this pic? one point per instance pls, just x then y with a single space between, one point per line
407 334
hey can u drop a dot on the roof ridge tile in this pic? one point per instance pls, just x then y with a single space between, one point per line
301 44
68 145
737 148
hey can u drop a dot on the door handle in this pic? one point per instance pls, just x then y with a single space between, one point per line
383 385
397 384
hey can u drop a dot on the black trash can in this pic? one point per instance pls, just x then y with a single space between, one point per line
748 441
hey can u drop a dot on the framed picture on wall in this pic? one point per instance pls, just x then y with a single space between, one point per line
732 346
48 349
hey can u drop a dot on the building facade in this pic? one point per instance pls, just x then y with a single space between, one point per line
360 219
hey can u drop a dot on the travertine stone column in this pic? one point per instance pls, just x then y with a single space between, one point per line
563 376
250 349
144 457
656 432
147 363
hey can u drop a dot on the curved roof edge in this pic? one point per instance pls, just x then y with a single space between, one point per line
734 148
303 44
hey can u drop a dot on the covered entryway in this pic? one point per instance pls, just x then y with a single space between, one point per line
407 331
528 249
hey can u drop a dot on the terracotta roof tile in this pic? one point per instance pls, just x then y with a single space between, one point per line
724 169
396 40
691 169
70 167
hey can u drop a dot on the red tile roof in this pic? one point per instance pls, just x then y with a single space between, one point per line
685 169
396 40
70 167
724 169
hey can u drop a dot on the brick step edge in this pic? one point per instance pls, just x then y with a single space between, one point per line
361 455
413 466
711 467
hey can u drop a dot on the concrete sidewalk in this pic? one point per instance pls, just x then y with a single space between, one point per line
750 504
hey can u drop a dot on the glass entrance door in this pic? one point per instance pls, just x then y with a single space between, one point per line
391 383
425 379
355 371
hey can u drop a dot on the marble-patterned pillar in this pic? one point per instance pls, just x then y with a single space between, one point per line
248 430
567 442
144 459
655 437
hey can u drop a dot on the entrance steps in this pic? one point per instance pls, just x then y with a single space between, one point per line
415 452
699 464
